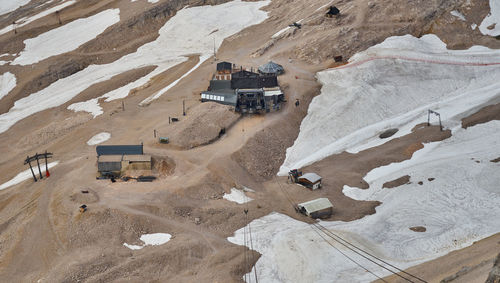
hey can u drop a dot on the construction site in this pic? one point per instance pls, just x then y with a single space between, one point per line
249 141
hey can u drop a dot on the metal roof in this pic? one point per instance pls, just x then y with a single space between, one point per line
271 68
311 177
118 149
316 205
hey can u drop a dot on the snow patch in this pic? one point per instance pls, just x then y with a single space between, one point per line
99 138
358 101
458 15
492 19
7 83
237 196
67 37
155 239
473 26
92 106
26 20
7 6
26 174
282 31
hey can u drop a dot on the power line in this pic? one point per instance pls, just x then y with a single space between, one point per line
329 234
357 263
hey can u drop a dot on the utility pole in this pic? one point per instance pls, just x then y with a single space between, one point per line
14 27
33 173
38 163
215 55
123 106
183 107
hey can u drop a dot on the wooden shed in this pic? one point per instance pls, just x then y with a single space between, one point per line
310 180
317 208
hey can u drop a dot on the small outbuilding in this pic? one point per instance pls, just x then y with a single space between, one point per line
271 68
113 160
317 208
310 180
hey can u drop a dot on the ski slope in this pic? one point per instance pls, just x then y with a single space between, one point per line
392 85
190 31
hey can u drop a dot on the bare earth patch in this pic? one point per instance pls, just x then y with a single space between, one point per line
397 182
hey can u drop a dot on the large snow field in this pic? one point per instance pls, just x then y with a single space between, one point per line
458 207
492 18
66 38
26 20
7 6
26 174
190 31
392 85
7 83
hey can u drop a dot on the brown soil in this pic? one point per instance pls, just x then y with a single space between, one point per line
484 115
397 182
418 229
208 122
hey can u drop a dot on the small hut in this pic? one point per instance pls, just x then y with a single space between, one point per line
271 68
310 180
317 208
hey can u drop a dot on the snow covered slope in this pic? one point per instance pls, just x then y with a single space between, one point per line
7 6
26 20
67 37
392 85
7 83
492 20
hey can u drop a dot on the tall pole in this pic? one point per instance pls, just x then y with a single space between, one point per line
428 117
38 163
183 108
46 166
33 173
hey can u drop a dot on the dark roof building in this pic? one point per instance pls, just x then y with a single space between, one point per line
224 66
119 149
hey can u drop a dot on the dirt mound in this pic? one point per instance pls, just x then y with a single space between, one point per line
206 123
